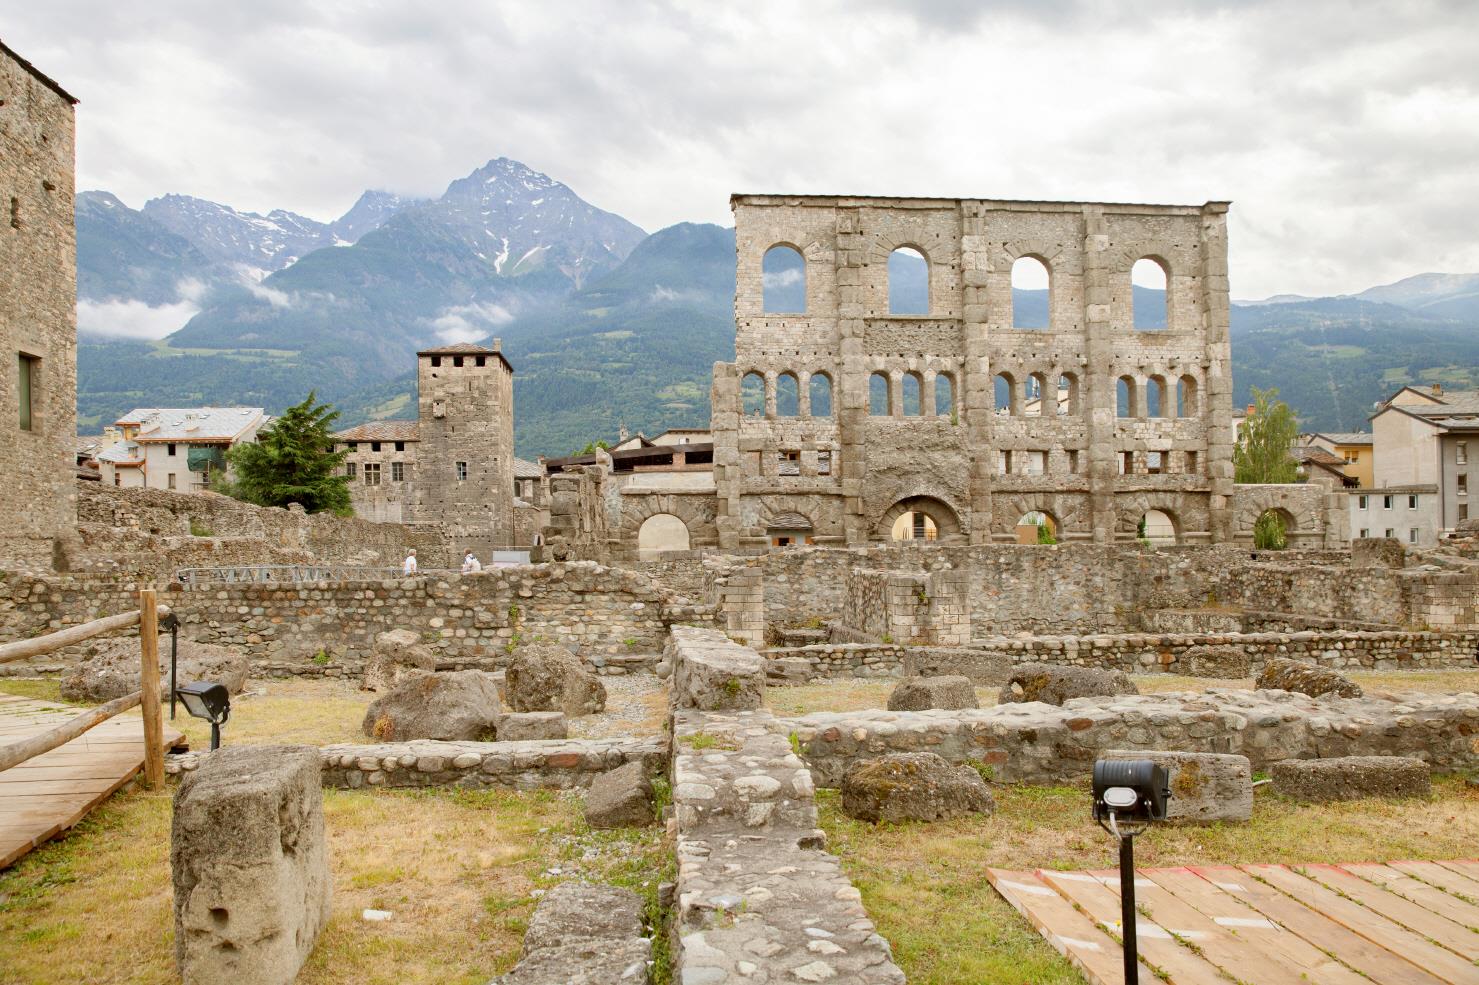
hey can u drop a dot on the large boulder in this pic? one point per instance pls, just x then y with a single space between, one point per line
1225 662
548 677
1282 674
913 786
250 865
398 656
924 693
1351 778
620 798
457 706
583 934
1054 684
527 726
1205 786
111 668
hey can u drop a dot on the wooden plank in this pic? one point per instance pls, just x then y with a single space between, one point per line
1367 923
1158 948
1421 921
41 788
64 819
1262 934
1096 955
1373 960
1218 943
1463 866
149 706
1429 897
1441 876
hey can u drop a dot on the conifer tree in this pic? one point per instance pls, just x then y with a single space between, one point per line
293 461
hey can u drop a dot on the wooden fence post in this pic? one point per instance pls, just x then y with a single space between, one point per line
149 686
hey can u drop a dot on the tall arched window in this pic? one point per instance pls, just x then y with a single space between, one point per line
1030 292
913 392
752 395
1186 397
1155 396
908 282
1037 395
1006 395
1068 395
1124 397
787 395
1148 282
878 395
944 395
820 389
783 280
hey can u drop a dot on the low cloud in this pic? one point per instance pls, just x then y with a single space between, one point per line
133 319
469 322
782 278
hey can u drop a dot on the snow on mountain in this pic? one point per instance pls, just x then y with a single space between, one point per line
368 214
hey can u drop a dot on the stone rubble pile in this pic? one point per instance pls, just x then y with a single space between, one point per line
398 655
1294 675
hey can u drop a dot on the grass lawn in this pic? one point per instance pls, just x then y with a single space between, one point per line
925 885
456 868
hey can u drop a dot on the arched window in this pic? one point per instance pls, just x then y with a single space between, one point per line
1006 395
783 280
944 395
1271 530
820 388
878 395
1124 397
1186 397
1155 396
913 391
1068 395
752 395
661 532
1156 527
1036 527
1151 300
1038 397
787 395
908 282
1030 281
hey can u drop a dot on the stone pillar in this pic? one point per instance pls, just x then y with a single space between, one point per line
1216 408
1098 386
250 865
724 400
974 395
803 394
927 395
850 393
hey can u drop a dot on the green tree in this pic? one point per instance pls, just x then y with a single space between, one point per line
590 448
1262 454
293 461
1269 533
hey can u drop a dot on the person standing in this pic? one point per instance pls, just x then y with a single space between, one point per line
409 567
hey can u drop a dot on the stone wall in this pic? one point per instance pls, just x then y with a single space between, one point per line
924 608
38 316
578 525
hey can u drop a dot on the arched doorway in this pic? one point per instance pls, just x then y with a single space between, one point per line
661 532
918 518
1156 527
1271 530
915 525
1036 527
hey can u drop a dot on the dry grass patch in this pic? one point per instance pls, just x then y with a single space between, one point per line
925 886
456 868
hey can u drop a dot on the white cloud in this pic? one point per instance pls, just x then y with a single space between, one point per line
1345 134
469 322
782 278
133 319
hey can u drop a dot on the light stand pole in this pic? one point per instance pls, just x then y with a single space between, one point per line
1127 908
1135 792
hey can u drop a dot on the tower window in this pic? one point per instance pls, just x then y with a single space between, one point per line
461 471
30 371
436 361
482 361
374 446
457 362
400 446
169 449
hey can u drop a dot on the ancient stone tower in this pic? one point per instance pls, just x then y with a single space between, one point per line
465 464
956 418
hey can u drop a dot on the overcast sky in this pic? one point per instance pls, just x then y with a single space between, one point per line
1346 134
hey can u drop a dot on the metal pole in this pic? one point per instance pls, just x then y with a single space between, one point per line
1127 909
215 736
174 654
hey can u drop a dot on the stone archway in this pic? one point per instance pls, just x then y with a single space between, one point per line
926 513
659 533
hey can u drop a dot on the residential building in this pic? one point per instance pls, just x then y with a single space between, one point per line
1322 467
1355 449
1426 436
380 462
1407 513
179 448
38 316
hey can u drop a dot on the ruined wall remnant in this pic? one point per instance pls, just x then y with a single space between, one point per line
578 525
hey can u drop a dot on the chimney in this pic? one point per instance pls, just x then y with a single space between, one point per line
1250 410
1437 389
497 344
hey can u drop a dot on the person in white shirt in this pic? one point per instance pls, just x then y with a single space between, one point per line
469 564
409 567
476 564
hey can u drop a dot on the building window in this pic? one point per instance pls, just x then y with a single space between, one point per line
461 471
1362 502
170 480
1127 463
397 472
1191 463
1390 533
1463 485
30 375
457 362
1412 502
117 479
374 446
824 462
1412 536
1073 460
1463 511
436 361
372 473
1365 533
1461 453
1386 504
354 446
169 450
1153 462
1004 461
1037 462
349 469
400 446
482 361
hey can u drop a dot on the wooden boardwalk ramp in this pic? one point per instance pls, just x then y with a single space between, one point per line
1403 923
49 793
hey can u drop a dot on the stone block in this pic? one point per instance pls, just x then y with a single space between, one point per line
1225 662
1352 778
1054 684
455 706
1205 786
913 786
620 798
111 670
713 673
983 667
398 656
548 677
250 866
584 934
1281 674
923 693
528 725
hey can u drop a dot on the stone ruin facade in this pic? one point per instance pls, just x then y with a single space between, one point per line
1058 447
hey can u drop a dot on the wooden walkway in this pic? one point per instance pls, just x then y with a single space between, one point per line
44 796
1403 923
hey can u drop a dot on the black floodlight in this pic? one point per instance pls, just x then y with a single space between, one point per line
210 701
1133 793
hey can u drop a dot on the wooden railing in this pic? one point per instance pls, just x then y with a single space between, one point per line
146 617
